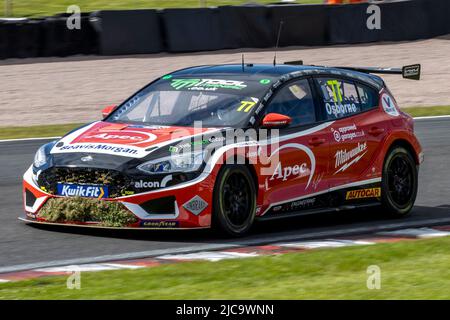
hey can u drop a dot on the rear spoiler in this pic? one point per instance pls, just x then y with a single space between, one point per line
408 72
411 72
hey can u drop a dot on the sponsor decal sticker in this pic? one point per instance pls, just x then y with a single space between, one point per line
196 205
100 148
86 191
207 84
246 106
295 205
160 224
363 194
283 173
120 137
146 184
340 109
293 171
345 159
412 72
388 105
347 133
141 184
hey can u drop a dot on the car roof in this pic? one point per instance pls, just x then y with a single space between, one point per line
257 71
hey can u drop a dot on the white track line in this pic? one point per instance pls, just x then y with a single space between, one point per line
29 139
264 239
432 117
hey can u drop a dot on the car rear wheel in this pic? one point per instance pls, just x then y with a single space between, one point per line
234 205
399 183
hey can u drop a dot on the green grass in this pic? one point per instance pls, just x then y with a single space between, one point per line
36 131
409 270
60 129
35 8
428 111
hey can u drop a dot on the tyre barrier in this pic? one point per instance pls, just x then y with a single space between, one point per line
112 32
127 32
60 41
191 30
399 21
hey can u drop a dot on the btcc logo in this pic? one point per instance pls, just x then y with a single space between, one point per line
363 194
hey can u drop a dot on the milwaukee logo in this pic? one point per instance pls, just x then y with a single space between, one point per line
344 158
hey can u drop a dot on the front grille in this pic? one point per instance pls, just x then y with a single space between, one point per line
118 183
164 205
83 210
30 199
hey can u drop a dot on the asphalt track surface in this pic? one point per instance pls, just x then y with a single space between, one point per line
22 244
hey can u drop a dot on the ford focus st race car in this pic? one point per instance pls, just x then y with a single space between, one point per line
221 146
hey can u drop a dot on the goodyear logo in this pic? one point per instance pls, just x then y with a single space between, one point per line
86 191
160 224
363 194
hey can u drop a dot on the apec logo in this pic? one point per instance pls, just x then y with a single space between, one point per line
290 168
86 191
120 137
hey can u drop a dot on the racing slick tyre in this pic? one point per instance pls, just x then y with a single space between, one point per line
399 183
234 202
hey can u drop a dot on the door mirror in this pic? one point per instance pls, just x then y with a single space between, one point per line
108 110
276 120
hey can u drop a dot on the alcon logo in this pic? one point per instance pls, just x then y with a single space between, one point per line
146 184
141 184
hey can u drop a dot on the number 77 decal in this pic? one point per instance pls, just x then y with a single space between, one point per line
246 106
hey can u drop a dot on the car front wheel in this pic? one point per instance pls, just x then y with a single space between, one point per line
234 205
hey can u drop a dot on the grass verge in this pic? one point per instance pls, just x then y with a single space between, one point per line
54 130
409 270
60 129
428 111
35 8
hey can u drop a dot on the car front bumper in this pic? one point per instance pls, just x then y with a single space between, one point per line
190 209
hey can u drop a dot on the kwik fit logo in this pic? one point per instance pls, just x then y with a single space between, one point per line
73 190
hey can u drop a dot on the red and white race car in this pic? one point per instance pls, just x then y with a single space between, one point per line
224 145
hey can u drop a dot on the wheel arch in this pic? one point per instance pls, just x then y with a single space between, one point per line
407 145
240 160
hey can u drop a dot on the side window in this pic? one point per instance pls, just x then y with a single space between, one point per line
368 97
340 98
296 101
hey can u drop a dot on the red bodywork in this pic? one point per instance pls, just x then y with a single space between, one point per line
331 156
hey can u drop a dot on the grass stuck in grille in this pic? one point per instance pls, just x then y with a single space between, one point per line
85 210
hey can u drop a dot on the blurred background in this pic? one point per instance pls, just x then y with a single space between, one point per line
36 8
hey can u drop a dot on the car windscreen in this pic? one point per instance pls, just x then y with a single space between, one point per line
178 101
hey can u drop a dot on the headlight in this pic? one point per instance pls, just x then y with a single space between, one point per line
40 158
181 162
